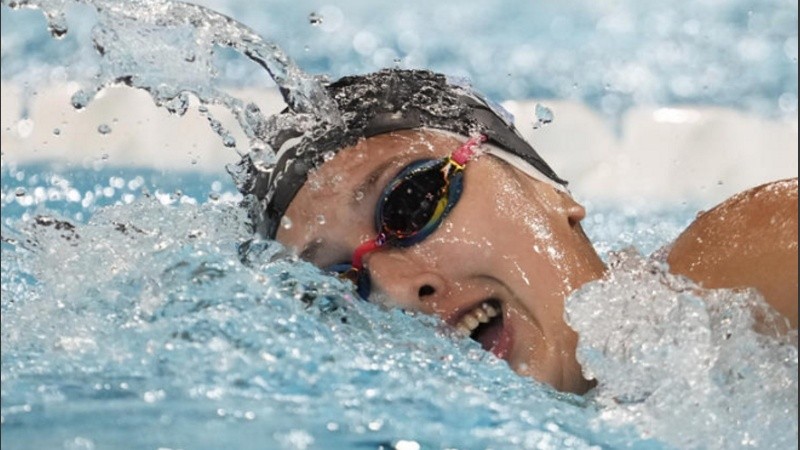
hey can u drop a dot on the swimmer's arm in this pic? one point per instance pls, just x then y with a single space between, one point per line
749 240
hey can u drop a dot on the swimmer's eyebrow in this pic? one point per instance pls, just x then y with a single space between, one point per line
369 182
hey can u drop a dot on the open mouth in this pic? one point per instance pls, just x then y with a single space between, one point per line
485 324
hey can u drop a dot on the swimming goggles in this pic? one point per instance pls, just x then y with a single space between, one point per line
411 207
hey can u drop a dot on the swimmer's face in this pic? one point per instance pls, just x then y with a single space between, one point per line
511 242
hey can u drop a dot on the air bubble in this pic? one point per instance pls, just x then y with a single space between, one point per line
321 219
20 192
286 223
103 129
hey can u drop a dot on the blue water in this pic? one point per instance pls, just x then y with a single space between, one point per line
154 321
138 311
736 53
142 327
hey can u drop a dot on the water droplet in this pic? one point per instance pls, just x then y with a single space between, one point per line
407 445
327 156
542 116
20 192
286 223
214 196
315 19
306 48
103 128
359 195
228 141
80 99
104 156
25 128
321 219
57 131
177 105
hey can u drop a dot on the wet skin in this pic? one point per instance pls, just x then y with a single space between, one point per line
511 240
749 240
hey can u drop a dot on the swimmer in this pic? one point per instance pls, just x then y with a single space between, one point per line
431 201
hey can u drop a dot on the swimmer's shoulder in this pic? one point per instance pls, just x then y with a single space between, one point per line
749 240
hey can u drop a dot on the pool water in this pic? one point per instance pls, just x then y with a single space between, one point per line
151 315
147 319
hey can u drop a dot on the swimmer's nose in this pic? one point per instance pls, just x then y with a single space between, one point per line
405 283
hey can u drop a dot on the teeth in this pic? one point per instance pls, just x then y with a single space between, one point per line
481 314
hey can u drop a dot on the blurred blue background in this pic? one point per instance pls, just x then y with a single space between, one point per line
610 55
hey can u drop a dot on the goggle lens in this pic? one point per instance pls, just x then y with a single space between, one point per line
412 206
413 200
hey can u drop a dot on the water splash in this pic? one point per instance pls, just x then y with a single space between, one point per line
167 48
187 315
662 349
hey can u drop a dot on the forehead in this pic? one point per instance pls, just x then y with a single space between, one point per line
352 166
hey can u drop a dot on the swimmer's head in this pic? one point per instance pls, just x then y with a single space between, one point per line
373 104
492 245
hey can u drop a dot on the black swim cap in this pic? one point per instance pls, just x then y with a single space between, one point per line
371 104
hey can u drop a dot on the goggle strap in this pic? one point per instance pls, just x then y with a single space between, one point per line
367 247
466 151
